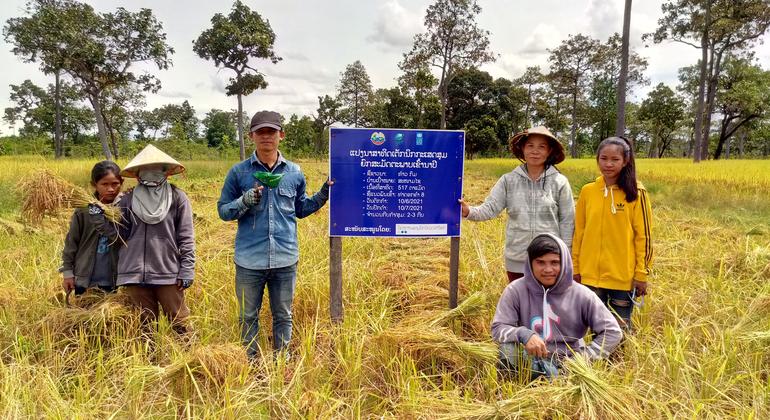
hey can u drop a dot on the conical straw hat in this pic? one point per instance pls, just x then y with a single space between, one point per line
151 155
518 139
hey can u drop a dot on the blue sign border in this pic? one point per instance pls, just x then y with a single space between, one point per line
395 182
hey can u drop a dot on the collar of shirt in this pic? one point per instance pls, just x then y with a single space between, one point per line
255 160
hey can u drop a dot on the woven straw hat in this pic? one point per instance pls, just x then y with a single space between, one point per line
518 140
151 155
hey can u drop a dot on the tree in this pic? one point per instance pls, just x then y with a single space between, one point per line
353 93
102 48
219 128
480 135
531 78
418 82
35 108
183 115
119 104
453 41
620 123
37 38
662 112
717 28
605 80
742 97
571 64
300 135
231 43
145 121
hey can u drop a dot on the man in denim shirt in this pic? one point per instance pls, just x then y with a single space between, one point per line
266 194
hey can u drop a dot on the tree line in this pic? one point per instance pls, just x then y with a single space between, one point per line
719 108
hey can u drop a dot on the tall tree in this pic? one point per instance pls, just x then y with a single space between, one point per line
571 64
453 41
35 108
531 78
353 92
605 82
742 97
119 105
102 48
418 82
231 43
717 28
620 123
37 38
662 112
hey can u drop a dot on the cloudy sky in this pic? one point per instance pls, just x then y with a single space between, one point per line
317 39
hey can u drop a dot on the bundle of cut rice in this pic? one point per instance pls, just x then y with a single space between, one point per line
46 193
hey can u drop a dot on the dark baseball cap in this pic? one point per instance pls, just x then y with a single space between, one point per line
266 119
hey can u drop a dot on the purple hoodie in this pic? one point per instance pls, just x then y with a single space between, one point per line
569 307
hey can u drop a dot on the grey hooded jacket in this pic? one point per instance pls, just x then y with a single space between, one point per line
561 315
158 254
534 207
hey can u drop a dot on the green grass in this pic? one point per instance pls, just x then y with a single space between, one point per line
700 350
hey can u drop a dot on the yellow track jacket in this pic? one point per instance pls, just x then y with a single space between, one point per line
612 245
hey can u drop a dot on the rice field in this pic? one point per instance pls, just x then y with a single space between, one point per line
700 349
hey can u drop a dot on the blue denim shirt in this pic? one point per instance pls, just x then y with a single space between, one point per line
267 232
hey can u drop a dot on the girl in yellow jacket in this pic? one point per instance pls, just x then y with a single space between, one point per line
612 246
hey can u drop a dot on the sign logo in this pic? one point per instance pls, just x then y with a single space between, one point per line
419 139
378 138
399 139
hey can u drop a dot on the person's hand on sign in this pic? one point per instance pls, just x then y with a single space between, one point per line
329 182
464 207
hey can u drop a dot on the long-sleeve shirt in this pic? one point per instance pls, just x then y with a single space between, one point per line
158 254
267 232
533 207
561 314
613 237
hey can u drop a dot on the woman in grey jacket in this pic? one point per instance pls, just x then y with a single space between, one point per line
157 261
537 197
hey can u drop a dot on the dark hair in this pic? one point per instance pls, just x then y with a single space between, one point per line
541 245
627 177
103 168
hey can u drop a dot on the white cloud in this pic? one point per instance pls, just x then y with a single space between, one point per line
174 94
300 71
395 26
540 39
604 18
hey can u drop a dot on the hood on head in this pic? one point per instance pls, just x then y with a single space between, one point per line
563 280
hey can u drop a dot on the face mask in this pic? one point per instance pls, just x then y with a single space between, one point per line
151 177
268 179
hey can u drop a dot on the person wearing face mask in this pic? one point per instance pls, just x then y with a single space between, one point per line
156 260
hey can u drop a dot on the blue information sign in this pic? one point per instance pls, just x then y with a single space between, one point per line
390 182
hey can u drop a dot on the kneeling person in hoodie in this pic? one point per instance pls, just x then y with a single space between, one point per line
543 318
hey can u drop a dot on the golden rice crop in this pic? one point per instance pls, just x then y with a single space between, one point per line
45 193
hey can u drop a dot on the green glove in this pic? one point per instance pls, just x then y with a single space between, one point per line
267 179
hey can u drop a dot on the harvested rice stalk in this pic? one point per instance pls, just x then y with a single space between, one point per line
105 319
595 397
471 306
423 343
45 193
207 368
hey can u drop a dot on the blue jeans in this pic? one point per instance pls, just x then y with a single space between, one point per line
619 302
250 288
514 358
